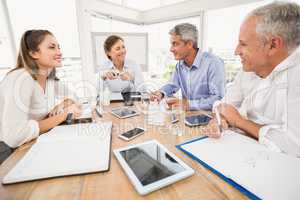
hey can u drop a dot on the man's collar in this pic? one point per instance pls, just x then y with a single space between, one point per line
290 61
196 62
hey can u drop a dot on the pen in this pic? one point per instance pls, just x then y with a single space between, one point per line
98 112
69 118
218 119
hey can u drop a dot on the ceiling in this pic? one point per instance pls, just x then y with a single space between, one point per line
154 11
143 5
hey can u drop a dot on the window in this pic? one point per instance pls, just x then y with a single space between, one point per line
57 16
7 60
221 33
160 59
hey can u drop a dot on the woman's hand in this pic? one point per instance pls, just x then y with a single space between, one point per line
126 76
110 75
75 109
60 107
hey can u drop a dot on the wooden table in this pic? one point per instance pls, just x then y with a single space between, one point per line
114 184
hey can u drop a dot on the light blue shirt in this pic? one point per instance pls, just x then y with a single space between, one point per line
202 84
118 85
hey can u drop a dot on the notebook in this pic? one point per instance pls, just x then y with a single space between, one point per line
248 166
65 150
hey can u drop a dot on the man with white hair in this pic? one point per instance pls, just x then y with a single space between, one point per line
200 75
264 99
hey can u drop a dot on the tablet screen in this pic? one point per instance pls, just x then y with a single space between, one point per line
198 120
122 112
150 163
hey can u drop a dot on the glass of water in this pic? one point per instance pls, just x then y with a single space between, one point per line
177 119
145 100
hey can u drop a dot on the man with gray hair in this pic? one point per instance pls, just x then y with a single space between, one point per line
199 75
264 100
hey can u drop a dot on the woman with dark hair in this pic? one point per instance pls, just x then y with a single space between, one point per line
118 72
28 92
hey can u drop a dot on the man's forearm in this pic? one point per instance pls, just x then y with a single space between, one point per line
248 126
203 103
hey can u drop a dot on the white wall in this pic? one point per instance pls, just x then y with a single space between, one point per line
7 53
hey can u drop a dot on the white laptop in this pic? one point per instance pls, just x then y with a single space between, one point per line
150 166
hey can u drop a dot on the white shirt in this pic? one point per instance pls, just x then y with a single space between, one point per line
118 85
273 102
23 103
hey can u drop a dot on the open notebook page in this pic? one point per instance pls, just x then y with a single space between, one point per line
63 151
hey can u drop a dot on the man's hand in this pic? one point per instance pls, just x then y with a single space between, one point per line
212 129
185 104
230 114
157 95
173 101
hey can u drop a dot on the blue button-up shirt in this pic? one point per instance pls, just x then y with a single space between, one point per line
202 84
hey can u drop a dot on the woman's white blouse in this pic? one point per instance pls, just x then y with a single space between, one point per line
23 103
118 85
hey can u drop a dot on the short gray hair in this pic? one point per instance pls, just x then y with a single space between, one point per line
187 32
280 19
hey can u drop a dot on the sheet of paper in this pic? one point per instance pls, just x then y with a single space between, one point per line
77 131
267 174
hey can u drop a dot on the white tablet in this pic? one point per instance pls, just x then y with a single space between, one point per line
197 120
150 166
124 112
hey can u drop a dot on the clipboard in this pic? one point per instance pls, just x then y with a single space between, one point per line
219 174
247 165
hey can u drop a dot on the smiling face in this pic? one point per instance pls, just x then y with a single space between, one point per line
179 47
48 55
253 52
117 51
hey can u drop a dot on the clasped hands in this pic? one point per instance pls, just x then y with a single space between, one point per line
67 106
114 74
229 117
171 101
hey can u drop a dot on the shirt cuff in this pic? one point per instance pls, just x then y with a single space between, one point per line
193 104
216 103
164 94
34 126
264 140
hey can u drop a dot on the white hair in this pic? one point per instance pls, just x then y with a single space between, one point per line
187 32
279 19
